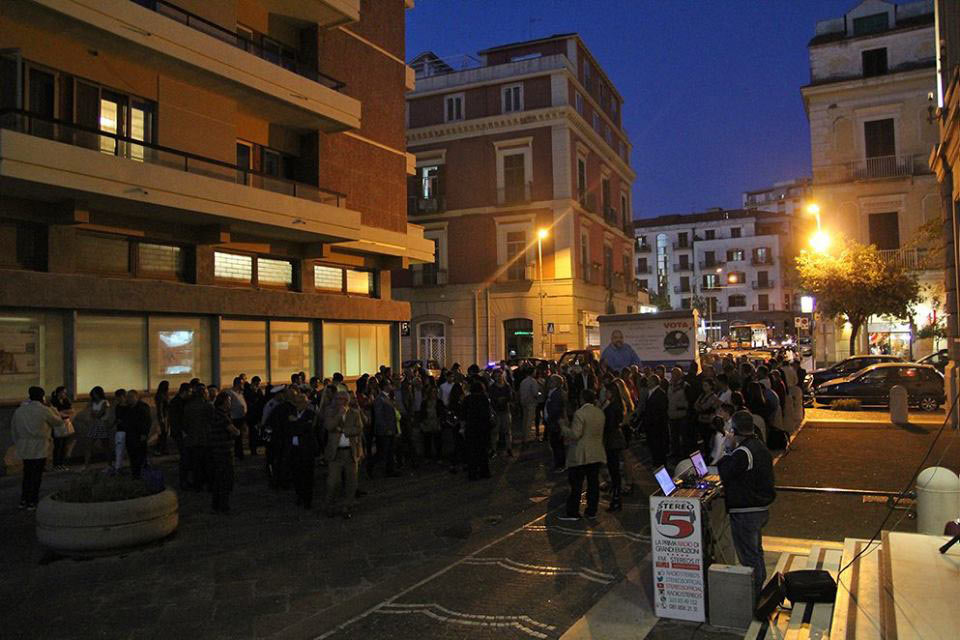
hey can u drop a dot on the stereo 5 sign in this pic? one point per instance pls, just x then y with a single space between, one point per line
677 534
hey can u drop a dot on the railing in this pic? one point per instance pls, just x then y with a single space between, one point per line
680 289
644 268
677 246
643 248
514 194
758 285
764 307
916 259
628 226
429 276
761 260
876 168
679 268
418 206
710 287
147 152
711 264
279 55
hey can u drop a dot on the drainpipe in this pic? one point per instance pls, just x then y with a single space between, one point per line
487 291
476 326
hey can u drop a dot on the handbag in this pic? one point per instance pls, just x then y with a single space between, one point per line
64 429
809 585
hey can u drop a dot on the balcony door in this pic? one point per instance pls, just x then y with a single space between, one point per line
118 115
514 178
517 255
885 230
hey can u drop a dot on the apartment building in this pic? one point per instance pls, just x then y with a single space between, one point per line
523 184
198 189
729 264
945 161
871 112
787 197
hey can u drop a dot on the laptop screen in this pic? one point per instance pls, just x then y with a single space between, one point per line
665 481
698 463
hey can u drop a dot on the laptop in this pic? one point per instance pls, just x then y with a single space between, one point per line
665 481
699 464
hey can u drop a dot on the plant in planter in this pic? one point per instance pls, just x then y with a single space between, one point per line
99 514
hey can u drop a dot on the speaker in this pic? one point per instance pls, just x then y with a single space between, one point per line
730 589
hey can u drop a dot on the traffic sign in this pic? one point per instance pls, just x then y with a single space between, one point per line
801 322
404 329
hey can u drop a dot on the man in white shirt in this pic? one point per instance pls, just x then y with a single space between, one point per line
32 430
531 391
445 389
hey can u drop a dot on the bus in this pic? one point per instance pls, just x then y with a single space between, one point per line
748 335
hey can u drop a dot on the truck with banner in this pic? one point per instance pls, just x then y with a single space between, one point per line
665 337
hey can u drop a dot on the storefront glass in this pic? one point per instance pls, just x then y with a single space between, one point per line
290 350
31 353
179 350
111 353
243 349
354 349
889 338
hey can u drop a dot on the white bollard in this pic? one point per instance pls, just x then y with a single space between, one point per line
938 499
899 407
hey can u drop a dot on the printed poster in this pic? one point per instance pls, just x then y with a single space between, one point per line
19 352
677 539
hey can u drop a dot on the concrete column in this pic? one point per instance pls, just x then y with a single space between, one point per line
61 249
70 354
303 276
203 264
317 330
215 373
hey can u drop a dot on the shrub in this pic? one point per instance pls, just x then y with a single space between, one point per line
845 404
103 487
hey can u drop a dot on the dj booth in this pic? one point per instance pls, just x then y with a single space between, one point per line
690 530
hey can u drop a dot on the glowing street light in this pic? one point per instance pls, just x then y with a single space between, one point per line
732 278
541 236
820 241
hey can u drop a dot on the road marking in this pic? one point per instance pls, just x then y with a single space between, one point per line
438 612
588 533
543 570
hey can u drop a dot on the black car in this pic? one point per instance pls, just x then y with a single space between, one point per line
923 383
848 367
938 360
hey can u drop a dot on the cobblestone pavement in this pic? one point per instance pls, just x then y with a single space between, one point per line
271 568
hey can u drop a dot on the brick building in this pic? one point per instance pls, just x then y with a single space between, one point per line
195 189
520 153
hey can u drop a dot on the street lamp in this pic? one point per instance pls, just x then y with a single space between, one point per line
820 241
541 236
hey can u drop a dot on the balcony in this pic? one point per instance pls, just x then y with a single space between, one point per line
764 307
681 289
514 194
681 268
518 272
76 162
682 246
877 168
425 206
197 52
644 268
643 248
429 276
710 287
916 259
711 264
628 226
325 13
758 261
761 285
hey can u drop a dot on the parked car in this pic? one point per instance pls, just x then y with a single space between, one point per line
580 356
872 385
432 367
847 367
938 360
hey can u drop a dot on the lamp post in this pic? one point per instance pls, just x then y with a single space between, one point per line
541 235
820 241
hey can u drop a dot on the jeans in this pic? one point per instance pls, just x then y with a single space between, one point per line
613 465
60 451
746 529
342 470
32 476
557 445
505 429
120 442
576 476
529 419
241 425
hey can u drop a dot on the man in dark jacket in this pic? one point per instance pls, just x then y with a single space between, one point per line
656 420
386 429
197 417
555 412
136 420
304 447
747 475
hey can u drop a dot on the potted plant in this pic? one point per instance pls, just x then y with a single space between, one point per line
100 513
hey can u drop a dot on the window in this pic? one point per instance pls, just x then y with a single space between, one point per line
761 255
454 108
737 301
625 207
683 240
517 255
596 122
514 170
359 282
763 278
586 72
233 267
32 344
273 272
585 256
335 279
179 349
355 348
328 278
710 281
626 268
870 24
581 180
23 245
518 337
160 260
874 62
578 102
684 284
243 349
684 303
607 266
734 255
885 230
735 232
763 302
643 284
605 194
429 178
290 349
513 98
684 261
111 352
710 234
879 138
514 178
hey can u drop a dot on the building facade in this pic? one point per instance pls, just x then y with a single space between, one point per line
945 161
870 108
198 189
523 184
729 264
787 197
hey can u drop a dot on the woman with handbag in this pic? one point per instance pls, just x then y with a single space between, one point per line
62 434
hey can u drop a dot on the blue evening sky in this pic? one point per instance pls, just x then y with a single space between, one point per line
711 88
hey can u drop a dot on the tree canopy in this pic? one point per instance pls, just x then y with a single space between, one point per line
856 283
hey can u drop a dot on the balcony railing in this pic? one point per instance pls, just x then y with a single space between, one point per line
760 285
710 287
147 152
274 52
518 272
628 226
761 260
764 307
429 276
644 268
711 264
681 289
915 259
421 206
876 168
515 194
680 268
643 248
679 246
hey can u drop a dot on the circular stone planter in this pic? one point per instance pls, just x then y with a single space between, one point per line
95 528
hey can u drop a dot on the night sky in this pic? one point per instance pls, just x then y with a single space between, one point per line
711 89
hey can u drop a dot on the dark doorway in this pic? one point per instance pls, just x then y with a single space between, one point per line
518 334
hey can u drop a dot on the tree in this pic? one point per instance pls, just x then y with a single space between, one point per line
856 284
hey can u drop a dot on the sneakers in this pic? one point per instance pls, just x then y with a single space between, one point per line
570 518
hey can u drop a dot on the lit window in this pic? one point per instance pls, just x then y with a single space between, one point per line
359 282
160 259
328 278
276 272
231 266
